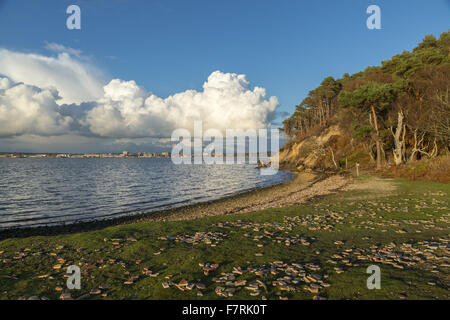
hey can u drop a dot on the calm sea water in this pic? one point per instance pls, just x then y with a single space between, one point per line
36 192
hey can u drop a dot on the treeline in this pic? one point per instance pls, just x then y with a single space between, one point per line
400 108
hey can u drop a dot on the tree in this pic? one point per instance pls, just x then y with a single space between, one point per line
399 139
373 97
402 106
427 110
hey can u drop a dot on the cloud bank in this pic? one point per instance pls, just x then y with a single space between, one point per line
227 101
59 96
75 79
27 109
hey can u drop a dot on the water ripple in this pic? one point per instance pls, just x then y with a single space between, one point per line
35 192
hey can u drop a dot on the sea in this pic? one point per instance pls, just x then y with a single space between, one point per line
46 192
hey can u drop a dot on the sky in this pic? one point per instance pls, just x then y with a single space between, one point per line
137 70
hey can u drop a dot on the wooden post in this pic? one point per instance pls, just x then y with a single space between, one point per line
346 164
357 169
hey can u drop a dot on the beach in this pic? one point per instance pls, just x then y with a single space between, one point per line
305 186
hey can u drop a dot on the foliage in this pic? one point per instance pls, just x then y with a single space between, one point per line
415 84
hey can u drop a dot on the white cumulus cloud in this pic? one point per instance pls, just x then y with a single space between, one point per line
27 109
75 79
62 96
226 102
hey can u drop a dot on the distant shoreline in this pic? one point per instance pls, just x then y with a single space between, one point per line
124 155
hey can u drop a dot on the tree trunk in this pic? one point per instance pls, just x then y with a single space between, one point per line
414 150
332 158
398 150
377 140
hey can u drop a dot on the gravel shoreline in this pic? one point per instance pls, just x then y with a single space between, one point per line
304 187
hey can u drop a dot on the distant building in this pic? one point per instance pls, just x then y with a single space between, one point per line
164 154
125 154
146 155
91 155
63 155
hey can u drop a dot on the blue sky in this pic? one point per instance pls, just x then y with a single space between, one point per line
167 46
284 46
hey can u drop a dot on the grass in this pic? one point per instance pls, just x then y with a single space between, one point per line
413 214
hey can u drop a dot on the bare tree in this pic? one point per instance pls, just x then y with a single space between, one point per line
399 139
